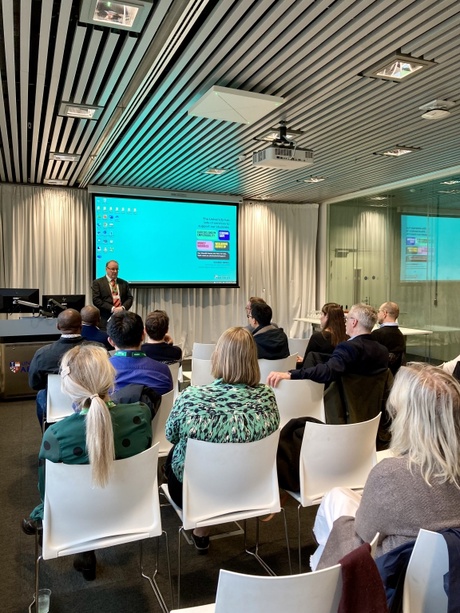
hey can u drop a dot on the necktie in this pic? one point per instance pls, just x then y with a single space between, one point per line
115 296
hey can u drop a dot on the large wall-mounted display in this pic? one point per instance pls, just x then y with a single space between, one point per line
167 242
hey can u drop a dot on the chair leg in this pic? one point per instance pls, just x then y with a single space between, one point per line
255 553
152 580
287 540
181 530
34 604
299 538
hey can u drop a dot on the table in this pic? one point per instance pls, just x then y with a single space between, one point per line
19 340
406 331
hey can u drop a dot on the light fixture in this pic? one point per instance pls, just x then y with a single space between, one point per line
215 171
397 67
274 134
229 104
80 111
123 15
55 181
397 151
378 198
450 182
449 191
65 157
437 109
312 180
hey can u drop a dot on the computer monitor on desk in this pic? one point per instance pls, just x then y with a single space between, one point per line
19 300
56 303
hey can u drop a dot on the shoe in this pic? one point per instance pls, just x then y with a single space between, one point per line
85 563
201 543
30 526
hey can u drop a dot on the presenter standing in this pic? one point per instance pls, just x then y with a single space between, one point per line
110 293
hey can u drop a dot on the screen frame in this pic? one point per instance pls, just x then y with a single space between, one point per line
27 294
163 196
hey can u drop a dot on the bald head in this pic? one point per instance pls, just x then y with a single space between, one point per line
69 322
90 315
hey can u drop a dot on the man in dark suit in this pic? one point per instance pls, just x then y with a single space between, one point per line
111 294
390 335
359 355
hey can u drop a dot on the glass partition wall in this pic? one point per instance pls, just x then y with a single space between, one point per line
402 245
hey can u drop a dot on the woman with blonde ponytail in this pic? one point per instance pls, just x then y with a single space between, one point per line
97 433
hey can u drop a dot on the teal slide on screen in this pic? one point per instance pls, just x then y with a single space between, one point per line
167 242
428 248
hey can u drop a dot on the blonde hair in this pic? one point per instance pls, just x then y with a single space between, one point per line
87 377
235 358
425 406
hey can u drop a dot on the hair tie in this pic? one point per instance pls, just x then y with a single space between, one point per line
94 396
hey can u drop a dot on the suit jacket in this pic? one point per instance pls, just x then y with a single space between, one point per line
102 297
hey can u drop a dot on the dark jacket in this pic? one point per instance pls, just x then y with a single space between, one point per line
102 297
272 342
393 339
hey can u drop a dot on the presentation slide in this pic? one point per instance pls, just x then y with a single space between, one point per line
167 242
427 248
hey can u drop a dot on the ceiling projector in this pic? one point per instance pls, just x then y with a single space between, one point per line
284 158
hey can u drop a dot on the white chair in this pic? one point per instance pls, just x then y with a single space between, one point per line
201 372
298 345
334 456
79 517
317 592
174 368
266 366
299 398
203 351
159 423
227 482
424 582
58 403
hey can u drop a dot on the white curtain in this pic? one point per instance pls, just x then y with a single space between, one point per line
47 243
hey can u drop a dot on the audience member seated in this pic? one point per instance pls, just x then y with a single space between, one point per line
272 343
159 345
90 319
360 354
236 408
126 332
252 300
418 488
332 320
96 434
452 367
46 359
390 335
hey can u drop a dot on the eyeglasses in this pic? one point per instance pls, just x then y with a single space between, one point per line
112 269
351 318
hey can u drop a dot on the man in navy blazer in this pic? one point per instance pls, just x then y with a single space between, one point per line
111 294
90 319
359 355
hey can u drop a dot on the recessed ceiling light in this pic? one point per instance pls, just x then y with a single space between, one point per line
312 180
123 15
397 151
80 111
55 181
449 191
65 157
378 198
274 134
215 171
450 182
398 67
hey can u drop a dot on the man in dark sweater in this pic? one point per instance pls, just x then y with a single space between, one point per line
159 345
272 342
390 335
359 355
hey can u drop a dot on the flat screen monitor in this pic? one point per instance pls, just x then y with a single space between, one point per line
427 247
56 303
10 296
167 242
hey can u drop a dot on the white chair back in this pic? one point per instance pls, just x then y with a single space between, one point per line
318 592
58 403
298 345
159 423
335 456
79 517
235 479
424 582
203 351
266 366
201 372
174 368
299 398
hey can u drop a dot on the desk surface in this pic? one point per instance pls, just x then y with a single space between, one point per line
405 331
28 329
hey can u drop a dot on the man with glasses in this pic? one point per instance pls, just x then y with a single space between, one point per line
359 355
111 294
390 335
